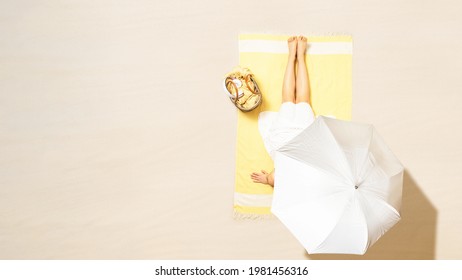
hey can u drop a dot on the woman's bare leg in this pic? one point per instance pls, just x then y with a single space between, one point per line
302 85
288 86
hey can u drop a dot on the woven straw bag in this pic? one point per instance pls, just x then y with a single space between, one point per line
242 89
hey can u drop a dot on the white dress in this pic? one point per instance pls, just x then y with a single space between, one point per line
278 128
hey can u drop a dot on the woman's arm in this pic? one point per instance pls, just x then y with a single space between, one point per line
263 177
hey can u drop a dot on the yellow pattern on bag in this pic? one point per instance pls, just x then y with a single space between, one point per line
243 89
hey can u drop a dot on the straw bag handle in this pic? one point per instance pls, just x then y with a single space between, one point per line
236 90
250 77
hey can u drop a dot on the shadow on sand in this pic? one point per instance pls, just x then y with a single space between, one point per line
412 238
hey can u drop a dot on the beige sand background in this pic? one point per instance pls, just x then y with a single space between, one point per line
117 141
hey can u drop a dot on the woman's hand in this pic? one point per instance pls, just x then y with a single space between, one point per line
260 177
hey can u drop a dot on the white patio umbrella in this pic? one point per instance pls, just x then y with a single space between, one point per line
337 187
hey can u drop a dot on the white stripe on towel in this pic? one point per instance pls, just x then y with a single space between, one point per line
253 200
273 46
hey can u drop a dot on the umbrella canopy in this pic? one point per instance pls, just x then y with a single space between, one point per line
337 187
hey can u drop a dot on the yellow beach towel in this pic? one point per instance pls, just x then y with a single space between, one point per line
329 62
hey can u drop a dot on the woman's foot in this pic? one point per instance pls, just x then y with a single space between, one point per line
301 46
292 42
